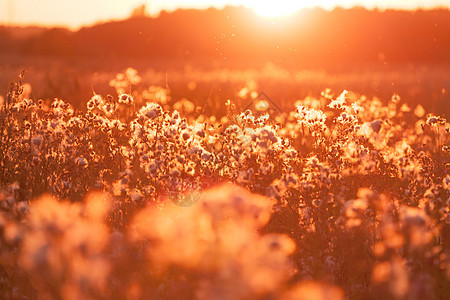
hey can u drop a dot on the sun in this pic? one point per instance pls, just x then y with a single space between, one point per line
275 8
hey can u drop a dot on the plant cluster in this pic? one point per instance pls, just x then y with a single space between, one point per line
343 197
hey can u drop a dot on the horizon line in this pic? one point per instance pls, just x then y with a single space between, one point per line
219 8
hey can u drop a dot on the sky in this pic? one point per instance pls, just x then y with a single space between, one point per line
77 13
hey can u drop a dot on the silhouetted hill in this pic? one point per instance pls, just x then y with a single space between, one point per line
22 33
236 36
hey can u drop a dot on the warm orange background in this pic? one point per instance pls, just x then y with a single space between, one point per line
86 12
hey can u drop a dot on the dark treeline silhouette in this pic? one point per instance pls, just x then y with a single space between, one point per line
235 36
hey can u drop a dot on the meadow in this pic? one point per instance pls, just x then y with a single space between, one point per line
75 80
179 188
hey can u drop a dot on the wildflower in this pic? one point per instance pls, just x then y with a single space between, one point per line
186 136
419 111
206 156
150 111
356 108
132 76
189 169
153 168
261 105
95 101
125 99
395 98
81 161
184 105
108 108
201 133
432 120
405 108
174 172
435 120
314 119
413 216
327 93
37 140
90 105
339 102
346 119
376 125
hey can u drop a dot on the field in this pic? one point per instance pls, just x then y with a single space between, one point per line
345 196
138 178
76 80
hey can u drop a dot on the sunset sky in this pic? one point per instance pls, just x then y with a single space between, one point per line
86 12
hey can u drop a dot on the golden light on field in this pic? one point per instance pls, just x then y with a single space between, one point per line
232 149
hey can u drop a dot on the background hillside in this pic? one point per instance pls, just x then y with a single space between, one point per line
309 38
375 53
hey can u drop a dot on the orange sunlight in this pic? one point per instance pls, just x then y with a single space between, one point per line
275 9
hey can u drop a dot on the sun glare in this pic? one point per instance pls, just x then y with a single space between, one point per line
275 9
